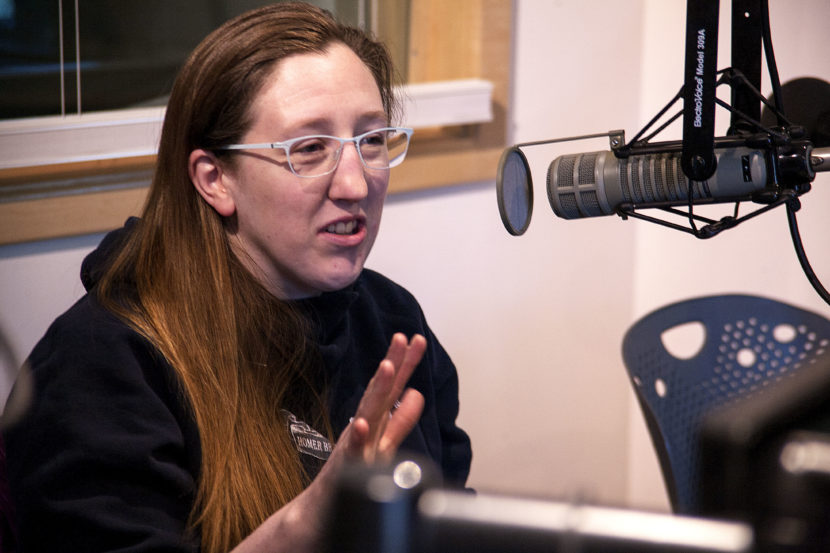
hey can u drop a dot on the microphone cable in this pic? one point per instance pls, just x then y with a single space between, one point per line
794 204
801 254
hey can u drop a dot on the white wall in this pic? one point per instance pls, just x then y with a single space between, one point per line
535 323
38 281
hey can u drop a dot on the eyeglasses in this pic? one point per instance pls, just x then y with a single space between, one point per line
318 155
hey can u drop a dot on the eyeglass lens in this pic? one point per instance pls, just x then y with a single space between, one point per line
318 155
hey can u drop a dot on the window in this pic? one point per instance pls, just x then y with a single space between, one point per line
80 56
45 196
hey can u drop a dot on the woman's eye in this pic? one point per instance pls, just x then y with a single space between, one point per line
308 147
375 139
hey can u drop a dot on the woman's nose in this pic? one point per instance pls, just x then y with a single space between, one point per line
349 177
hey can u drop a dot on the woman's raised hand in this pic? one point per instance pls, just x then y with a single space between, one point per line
387 411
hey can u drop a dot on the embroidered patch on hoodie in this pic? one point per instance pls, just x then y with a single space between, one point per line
306 439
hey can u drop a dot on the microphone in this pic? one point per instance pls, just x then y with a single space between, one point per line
599 183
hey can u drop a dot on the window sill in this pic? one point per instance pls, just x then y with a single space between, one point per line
82 174
134 133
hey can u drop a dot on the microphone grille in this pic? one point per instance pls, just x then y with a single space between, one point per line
654 178
572 186
565 172
586 169
625 185
590 202
659 180
567 205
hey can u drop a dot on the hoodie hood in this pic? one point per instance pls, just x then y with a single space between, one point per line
97 261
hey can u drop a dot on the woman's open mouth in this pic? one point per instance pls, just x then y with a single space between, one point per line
344 227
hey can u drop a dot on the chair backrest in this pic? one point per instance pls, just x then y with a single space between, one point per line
749 342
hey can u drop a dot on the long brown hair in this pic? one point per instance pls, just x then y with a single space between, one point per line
240 354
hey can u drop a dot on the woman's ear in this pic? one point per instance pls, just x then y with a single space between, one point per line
210 179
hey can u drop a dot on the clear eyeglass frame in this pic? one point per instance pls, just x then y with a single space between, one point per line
316 155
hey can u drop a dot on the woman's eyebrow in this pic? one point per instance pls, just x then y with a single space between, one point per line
374 116
367 121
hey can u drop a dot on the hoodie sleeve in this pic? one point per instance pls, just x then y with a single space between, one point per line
104 457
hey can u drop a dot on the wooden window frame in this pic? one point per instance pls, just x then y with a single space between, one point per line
467 39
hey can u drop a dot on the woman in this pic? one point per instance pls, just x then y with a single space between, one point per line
231 335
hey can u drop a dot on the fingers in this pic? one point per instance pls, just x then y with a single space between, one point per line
397 349
400 424
406 363
385 432
390 379
355 437
375 405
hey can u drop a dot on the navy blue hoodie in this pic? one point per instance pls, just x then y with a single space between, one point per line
107 457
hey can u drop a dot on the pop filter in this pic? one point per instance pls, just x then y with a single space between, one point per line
514 189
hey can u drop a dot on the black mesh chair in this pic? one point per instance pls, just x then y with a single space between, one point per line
748 343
